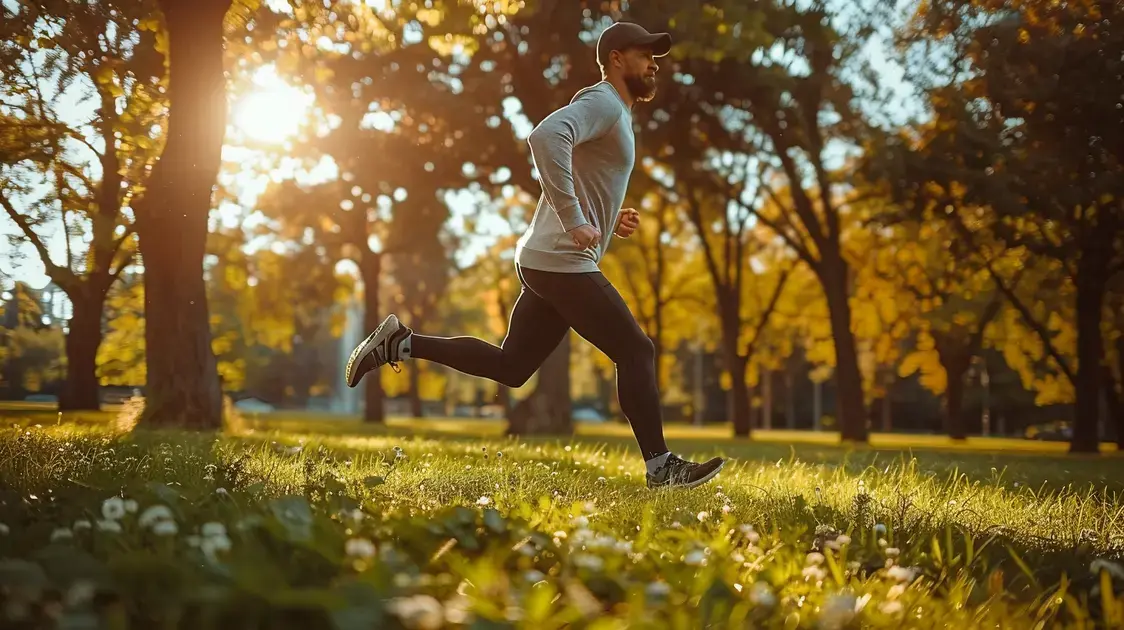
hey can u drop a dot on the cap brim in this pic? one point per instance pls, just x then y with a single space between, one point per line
659 43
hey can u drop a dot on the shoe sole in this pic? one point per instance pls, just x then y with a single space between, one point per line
696 483
361 351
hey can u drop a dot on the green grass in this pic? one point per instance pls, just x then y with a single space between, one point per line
306 524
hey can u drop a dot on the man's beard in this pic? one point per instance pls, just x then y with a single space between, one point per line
641 89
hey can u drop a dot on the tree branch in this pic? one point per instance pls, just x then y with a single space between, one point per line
124 263
64 277
791 239
1011 296
694 211
751 346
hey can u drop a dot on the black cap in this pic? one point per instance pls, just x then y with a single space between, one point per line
623 35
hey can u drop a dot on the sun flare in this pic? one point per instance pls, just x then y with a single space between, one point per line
272 111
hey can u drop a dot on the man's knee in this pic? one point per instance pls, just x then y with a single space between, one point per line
645 348
516 376
635 348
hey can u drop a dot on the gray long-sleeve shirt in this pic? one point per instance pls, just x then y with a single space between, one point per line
584 153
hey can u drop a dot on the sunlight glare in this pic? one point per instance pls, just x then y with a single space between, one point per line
273 111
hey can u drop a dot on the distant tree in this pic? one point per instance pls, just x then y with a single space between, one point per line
1024 152
659 272
33 356
121 355
775 81
416 114
81 125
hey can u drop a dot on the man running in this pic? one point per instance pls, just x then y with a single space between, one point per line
585 153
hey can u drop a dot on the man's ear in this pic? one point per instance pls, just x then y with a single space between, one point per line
616 58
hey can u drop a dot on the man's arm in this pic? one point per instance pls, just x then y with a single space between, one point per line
552 143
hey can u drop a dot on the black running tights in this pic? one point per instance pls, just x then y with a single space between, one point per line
549 305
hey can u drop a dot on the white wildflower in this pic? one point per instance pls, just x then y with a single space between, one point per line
213 530
113 508
738 558
1114 569
360 548
588 561
901 574
79 594
657 589
895 591
165 528
420 612
623 546
891 607
695 558
534 575
814 573
221 491
483 501
726 509
879 529
893 552
580 521
814 559
882 543
838 610
107 525
155 514
131 506
843 539
702 516
762 595
214 544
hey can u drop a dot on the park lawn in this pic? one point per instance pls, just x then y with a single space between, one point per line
275 525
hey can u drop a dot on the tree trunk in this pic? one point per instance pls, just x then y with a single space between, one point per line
848 378
789 399
370 267
1114 392
739 406
1115 402
83 337
767 399
503 398
954 399
415 392
183 387
548 410
1090 350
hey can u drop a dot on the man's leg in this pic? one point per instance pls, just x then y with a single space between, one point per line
534 330
591 306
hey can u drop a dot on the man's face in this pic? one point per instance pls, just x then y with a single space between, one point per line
639 72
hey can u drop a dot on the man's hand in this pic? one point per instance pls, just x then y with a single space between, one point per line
627 222
585 235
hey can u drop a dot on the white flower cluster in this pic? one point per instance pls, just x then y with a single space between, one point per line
211 540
